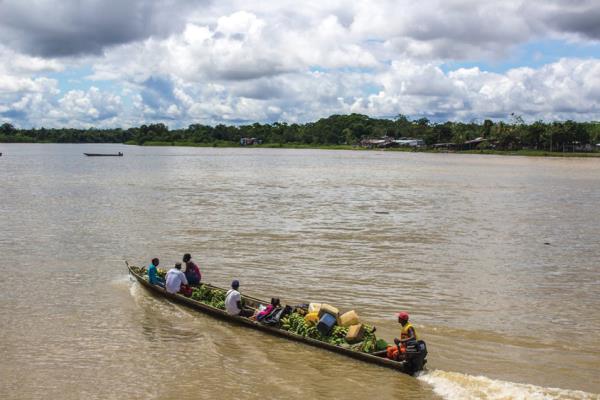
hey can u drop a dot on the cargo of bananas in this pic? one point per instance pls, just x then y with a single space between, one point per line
369 340
138 270
338 336
212 297
293 323
296 323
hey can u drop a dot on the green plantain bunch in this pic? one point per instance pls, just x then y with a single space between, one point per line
209 296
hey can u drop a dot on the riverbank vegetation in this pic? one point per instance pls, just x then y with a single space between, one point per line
339 131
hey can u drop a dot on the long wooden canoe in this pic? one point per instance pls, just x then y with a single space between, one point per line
119 154
406 367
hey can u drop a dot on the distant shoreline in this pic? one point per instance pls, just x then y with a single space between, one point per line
524 153
349 132
223 144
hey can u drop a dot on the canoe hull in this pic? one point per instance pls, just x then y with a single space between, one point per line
401 366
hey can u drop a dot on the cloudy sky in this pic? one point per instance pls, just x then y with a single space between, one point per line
114 63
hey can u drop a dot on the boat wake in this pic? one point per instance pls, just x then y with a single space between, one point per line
455 386
141 297
121 280
135 290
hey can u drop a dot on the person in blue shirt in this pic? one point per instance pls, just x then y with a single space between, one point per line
153 277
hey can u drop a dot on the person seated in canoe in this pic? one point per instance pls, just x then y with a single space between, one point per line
175 279
233 302
269 309
192 272
407 334
153 277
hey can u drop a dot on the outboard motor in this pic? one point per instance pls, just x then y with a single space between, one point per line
416 354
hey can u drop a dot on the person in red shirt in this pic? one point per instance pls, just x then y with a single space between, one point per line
192 272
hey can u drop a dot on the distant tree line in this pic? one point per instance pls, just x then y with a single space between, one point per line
334 130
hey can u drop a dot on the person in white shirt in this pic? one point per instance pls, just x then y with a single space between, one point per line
233 302
175 278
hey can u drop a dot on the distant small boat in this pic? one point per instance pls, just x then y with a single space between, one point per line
119 154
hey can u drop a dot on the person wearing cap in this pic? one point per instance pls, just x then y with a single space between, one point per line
233 302
407 334
175 278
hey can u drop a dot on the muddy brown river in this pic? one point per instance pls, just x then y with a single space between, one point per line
496 258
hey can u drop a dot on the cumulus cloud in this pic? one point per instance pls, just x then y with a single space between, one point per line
24 99
15 63
190 61
565 89
69 27
239 47
20 91
449 29
91 105
578 17
27 95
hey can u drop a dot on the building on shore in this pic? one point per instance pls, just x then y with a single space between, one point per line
467 145
409 142
387 141
249 141
472 144
381 143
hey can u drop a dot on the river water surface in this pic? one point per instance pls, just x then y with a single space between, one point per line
497 260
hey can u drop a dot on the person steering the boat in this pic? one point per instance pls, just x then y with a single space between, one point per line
153 277
233 302
192 272
407 334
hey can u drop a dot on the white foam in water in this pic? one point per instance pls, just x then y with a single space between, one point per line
457 386
141 296
134 289
121 280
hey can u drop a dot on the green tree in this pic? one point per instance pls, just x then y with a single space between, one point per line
7 129
487 128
